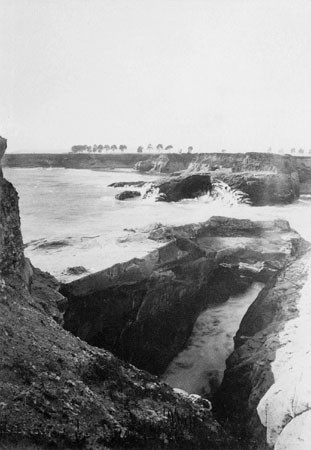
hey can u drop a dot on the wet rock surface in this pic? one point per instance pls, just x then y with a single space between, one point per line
124 195
174 189
144 310
264 188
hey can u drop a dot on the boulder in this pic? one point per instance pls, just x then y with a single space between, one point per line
144 310
178 188
124 195
263 188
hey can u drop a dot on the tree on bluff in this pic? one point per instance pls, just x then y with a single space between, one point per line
78 148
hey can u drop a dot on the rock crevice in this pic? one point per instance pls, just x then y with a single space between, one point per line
144 310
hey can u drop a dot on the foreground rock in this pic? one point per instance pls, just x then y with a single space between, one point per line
265 393
144 310
174 189
57 391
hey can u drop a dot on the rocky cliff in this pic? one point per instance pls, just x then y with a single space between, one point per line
261 171
165 163
266 179
92 161
265 394
58 391
144 310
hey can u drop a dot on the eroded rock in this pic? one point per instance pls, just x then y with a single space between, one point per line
124 195
144 310
265 384
264 188
174 189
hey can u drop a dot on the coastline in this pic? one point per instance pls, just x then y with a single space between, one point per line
57 333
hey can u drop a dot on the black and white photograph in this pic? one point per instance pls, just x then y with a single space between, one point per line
155 226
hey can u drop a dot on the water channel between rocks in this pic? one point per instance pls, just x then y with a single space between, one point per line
199 368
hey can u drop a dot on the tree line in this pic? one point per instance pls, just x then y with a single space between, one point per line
160 148
140 149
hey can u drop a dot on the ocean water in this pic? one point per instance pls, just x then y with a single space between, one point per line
71 218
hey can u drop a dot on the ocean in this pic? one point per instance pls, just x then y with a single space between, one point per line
71 218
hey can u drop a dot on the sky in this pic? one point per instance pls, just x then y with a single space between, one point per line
214 74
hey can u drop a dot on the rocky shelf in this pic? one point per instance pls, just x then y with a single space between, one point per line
144 310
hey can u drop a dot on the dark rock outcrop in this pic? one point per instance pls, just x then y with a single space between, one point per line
267 179
3 146
144 310
178 188
264 188
57 391
252 366
124 195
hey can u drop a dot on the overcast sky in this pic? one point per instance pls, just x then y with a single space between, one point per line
233 74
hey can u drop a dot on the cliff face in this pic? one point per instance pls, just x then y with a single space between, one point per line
74 161
265 178
237 162
164 163
298 169
58 391
264 393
